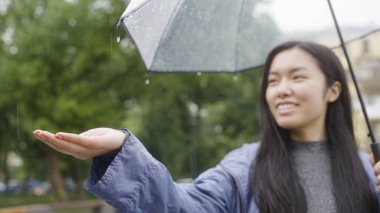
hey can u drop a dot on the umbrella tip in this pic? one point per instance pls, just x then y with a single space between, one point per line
119 23
118 38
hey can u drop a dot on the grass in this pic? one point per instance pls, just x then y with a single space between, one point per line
79 210
23 200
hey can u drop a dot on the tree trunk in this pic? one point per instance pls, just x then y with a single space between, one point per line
55 177
5 170
79 179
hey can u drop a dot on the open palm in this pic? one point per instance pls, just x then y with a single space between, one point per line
89 144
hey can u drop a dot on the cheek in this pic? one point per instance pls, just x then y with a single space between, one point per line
304 91
269 96
313 94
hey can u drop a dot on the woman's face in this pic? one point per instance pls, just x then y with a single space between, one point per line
297 94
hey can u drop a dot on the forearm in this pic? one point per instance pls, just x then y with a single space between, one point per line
135 182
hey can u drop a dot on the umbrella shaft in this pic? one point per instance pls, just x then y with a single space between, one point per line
370 134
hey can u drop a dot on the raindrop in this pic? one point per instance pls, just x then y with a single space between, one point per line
199 73
147 82
18 121
38 98
118 39
111 44
235 77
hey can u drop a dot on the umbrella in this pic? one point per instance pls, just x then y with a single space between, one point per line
171 35
231 36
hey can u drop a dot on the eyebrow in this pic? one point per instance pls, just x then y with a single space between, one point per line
275 72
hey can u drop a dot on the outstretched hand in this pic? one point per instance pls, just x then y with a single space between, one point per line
86 145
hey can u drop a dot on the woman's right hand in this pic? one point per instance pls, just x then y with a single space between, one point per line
376 169
86 145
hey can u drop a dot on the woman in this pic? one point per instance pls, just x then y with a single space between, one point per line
307 160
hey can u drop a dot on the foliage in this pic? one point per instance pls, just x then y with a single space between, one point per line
60 74
226 117
62 70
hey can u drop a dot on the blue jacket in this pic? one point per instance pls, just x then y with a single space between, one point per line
133 181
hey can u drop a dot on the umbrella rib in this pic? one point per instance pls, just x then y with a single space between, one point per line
134 10
361 37
237 35
174 13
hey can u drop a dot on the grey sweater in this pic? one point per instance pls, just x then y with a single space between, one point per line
313 166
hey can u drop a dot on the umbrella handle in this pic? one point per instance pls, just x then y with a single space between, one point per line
376 151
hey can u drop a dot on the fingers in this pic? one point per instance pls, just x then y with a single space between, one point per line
86 145
376 166
59 144
81 140
378 183
376 169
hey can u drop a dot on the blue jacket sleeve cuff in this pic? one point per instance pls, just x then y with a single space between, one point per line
100 163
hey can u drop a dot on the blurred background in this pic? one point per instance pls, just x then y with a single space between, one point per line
63 68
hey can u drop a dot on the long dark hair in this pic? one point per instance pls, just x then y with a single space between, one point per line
274 183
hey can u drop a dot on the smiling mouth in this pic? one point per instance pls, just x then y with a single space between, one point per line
286 106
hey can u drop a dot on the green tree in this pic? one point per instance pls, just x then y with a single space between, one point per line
225 116
63 72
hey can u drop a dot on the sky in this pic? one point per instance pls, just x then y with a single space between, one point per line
294 15
306 15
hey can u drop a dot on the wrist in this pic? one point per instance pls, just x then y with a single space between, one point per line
126 133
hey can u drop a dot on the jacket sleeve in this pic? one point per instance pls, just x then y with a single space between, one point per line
133 181
364 157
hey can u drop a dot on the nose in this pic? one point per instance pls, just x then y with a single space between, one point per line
284 89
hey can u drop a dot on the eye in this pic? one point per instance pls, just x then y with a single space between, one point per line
272 81
298 77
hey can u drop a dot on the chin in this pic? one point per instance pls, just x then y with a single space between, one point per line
287 125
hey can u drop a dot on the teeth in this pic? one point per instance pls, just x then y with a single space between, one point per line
285 106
